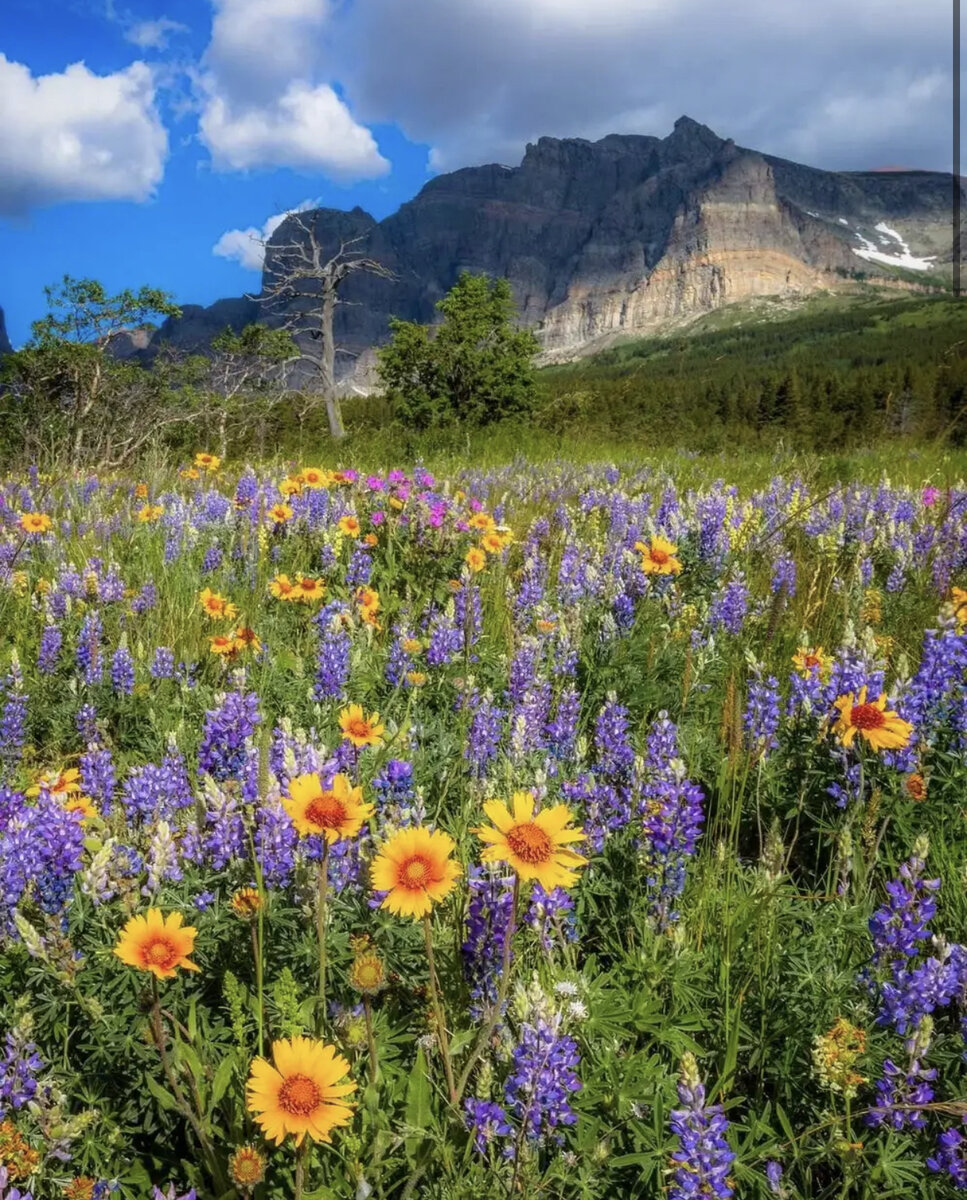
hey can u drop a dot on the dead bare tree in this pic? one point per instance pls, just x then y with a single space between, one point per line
302 278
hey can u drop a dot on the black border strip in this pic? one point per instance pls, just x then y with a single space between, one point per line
957 231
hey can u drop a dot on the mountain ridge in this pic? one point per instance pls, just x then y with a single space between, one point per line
621 236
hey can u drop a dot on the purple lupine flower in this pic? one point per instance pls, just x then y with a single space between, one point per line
13 718
615 756
445 640
774 1177
703 1158
899 926
51 641
487 1122
122 671
90 661
784 575
212 560
483 736
902 1092
395 791
729 608
551 916
19 1068
761 719
561 732
950 1157
334 652
145 600
163 664
672 818
85 722
488 924
542 1079
97 776
154 793
223 753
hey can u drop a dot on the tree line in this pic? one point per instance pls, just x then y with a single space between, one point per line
836 377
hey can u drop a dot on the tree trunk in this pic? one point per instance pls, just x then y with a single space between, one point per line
328 364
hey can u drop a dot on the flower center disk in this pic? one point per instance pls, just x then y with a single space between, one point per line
867 716
530 843
416 873
326 811
160 952
299 1095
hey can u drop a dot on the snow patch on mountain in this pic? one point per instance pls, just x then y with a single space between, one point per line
900 256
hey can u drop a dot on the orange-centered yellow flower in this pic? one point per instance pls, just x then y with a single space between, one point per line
314 477
223 645
309 589
808 662
415 870
157 943
535 846
150 513
336 811
882 728
58 784
349 527
359 729
475 559
483 521
658 557
35 522
299 1092
207 462
280 513
83 805
958 597
247 639
282 588
217 606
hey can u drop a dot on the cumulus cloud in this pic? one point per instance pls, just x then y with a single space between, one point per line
478 79
247 246
267 94
78 136
154 35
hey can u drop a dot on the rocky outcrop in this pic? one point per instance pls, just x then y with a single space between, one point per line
622 236
5 346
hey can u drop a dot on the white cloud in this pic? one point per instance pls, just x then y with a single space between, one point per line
154 35
247 246
267 95
78 136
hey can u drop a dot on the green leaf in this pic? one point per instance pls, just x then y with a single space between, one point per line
162 1095
223 1077
418 1111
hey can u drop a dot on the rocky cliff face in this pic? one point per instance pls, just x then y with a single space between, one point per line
623 236
5 346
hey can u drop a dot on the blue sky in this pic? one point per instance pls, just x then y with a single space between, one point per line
190 119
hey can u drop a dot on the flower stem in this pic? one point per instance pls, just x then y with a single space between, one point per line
438 1015
487 1030
158 1037
370 1041
321 897
300 1169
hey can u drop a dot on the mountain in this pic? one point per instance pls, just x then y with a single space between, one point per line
5 346
622 237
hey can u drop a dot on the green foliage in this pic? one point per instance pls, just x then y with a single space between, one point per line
827 374
473 368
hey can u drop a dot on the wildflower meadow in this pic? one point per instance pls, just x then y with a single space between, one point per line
549 830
